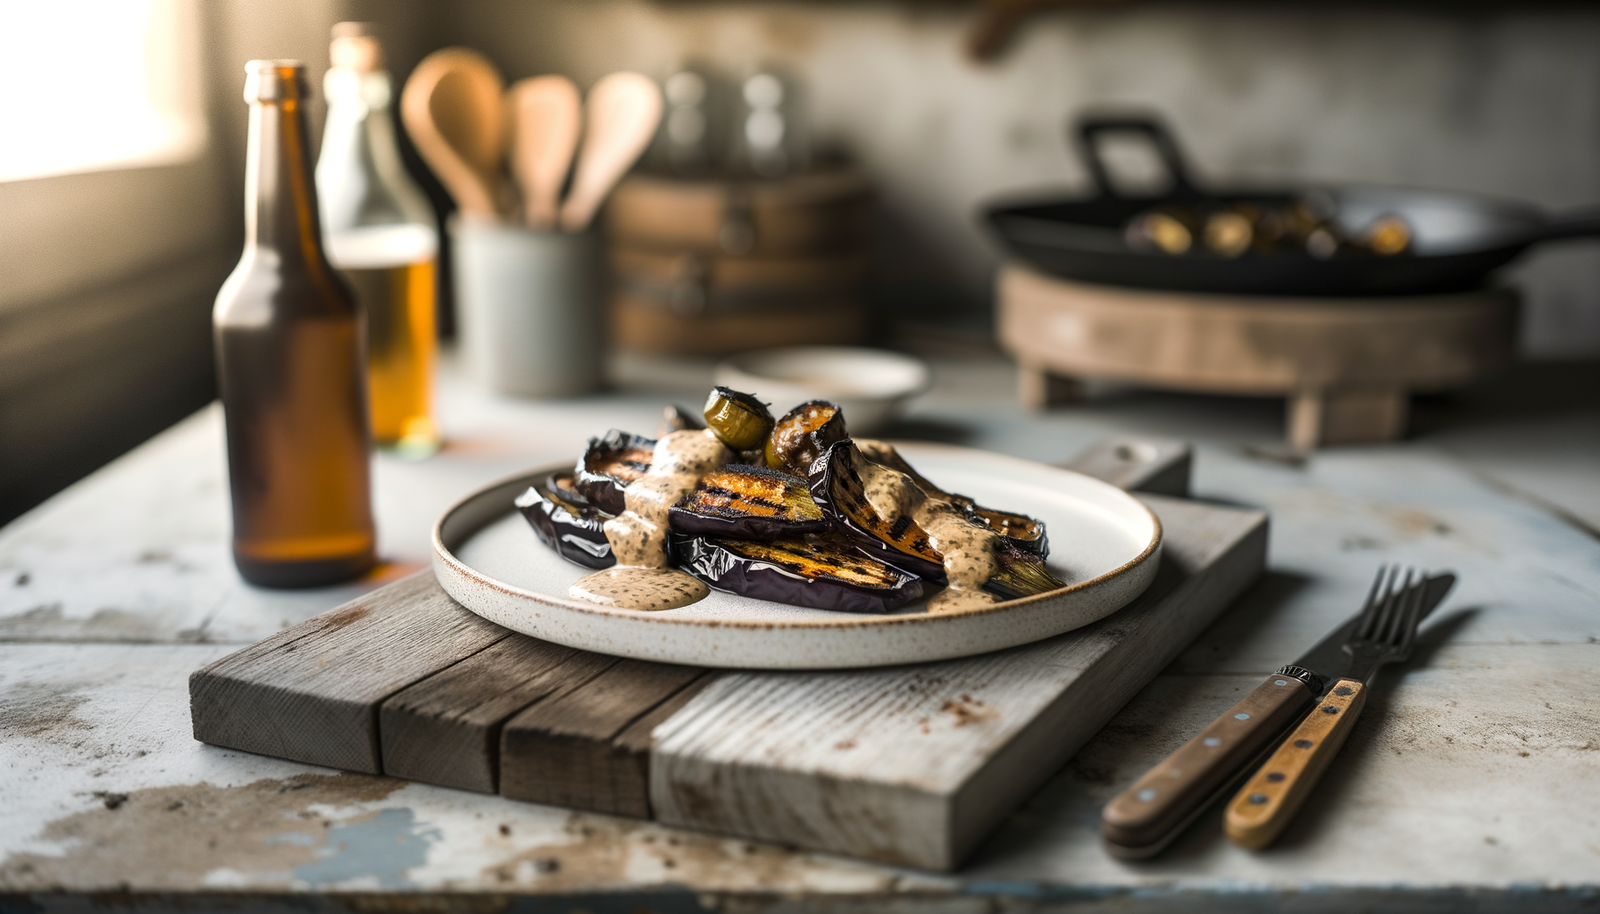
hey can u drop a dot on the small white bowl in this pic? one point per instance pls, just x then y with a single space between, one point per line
869 384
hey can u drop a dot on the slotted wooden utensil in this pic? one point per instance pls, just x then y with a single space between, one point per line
545 114
624 109
452 107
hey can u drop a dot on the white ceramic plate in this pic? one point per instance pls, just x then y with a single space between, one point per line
1103 542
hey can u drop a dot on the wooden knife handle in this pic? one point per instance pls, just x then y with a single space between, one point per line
1144 818
1258 813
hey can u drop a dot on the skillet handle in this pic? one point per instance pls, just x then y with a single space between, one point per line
1583 223
1090 127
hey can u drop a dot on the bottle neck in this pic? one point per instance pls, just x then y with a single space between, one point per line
360 177
280 198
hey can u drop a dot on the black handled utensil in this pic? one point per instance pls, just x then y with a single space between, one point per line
1145 818
1385 633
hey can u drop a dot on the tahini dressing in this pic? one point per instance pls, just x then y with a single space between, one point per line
641 578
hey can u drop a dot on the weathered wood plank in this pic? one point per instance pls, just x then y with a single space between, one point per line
914 765
446 729
311 692
578 748
1160 466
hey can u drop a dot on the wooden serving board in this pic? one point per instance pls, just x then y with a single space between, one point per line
910 765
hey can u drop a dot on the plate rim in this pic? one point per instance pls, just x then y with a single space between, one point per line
443 553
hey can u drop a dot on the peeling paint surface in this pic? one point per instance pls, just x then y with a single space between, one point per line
1472 778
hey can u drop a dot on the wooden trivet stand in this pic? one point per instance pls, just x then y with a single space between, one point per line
1347 366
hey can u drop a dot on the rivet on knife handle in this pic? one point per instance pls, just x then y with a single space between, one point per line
1144 818
1259 812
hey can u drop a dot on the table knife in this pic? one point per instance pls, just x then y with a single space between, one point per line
1145 818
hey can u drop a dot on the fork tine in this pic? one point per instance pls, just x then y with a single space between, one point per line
1369 610
1394 620
1413 615
1386 608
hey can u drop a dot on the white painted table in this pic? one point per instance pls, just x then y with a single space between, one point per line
1474 777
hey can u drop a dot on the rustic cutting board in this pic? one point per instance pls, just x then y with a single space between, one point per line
910 765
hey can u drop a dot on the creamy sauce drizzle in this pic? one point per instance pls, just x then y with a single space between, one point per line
967 547
638 536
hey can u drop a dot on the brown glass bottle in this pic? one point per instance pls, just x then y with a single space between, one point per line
290 364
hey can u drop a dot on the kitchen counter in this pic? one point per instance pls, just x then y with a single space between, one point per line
1473 777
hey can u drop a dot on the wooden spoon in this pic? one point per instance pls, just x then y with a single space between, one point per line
546 113
452 108
624 109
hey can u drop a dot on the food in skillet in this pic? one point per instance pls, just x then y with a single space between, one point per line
791 510
1305 225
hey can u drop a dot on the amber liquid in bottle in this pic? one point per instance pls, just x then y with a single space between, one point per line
290 365
380 233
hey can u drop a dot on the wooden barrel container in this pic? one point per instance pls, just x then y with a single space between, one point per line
708 267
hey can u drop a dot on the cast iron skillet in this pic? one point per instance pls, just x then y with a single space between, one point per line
1458 239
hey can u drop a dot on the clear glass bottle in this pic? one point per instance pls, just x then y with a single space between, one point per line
290 364
380 231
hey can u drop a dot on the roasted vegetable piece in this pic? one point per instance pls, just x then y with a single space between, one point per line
820 572
746 502
561 486
1021 573
574 531
839 481
609 464
1026 533
740 420
804 434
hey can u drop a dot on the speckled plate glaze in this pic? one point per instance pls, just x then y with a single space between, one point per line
1103 542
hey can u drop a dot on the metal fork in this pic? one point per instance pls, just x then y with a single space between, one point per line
1386 633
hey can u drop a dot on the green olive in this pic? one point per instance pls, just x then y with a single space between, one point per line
741 421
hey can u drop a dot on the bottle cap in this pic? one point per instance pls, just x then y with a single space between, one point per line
275 81
355 47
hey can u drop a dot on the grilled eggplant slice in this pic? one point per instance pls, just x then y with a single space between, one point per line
741 421
1021 573
819 572
575 531
804 434
747 502
609 464
839 481
1024 532
562 487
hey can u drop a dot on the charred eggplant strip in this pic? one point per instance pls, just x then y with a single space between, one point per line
609 464
804 434
561 487
747 502
741 421
839 487
819 572
1021 573
576 532
1026 533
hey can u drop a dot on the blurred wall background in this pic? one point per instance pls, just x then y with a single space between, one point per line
105 298
1500 99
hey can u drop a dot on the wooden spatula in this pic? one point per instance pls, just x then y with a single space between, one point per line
545 114
624 109
453 110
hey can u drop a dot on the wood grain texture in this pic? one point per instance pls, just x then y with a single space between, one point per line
446 729
1159 466
915 765
311 692
1262 808
578 748
1146 816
